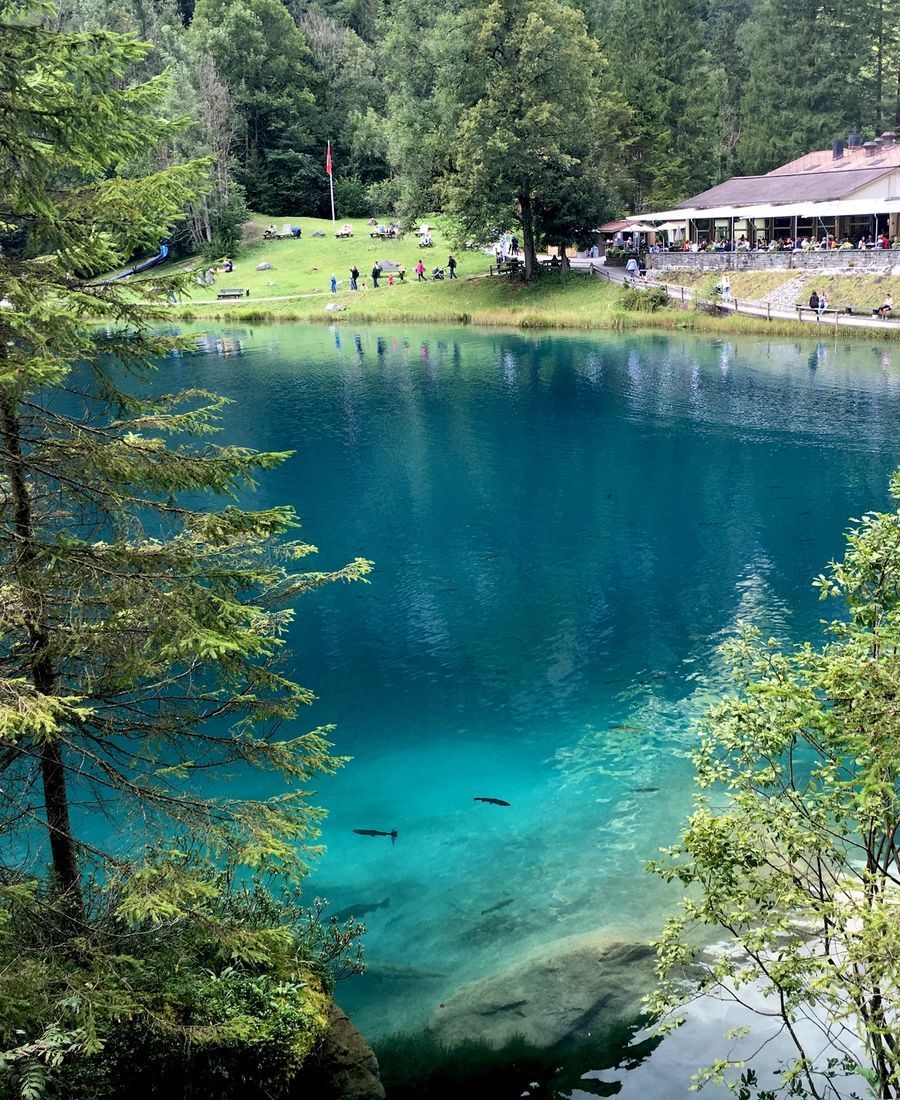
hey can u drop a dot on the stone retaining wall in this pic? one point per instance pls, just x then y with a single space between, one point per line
878 261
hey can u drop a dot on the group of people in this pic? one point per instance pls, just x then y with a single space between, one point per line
271 232
378 273
818 301
507 247
784 244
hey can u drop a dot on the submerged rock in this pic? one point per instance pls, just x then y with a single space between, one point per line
342 1068
565 990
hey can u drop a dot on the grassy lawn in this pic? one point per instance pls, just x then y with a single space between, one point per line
575 301
297 285
865 291
304 266
296 288
746 285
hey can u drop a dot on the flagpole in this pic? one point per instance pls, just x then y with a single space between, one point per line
330 171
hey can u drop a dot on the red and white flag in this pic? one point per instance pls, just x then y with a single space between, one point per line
328 160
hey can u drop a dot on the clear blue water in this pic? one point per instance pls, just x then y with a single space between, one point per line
564 529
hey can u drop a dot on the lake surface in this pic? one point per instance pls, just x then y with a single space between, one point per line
564 529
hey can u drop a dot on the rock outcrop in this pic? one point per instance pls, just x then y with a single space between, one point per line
572 988
342 1068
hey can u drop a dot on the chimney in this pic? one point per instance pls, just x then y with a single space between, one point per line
889 137
870 148
854 140
837 149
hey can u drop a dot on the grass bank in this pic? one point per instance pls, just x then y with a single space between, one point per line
296 288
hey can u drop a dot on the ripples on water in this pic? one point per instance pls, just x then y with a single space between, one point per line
564 529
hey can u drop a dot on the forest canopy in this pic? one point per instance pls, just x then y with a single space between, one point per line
651 102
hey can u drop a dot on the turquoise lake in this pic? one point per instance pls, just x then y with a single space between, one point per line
564 529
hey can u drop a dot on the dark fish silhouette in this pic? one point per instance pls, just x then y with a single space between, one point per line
378 832
358 911
491 801
645 790
500 905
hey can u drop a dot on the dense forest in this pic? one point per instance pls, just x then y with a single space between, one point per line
450 105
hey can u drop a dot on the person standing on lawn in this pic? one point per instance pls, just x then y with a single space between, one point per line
451 264
420 271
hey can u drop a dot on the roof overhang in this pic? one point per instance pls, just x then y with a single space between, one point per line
626 225
837 207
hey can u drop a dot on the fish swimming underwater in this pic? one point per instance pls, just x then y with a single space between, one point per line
491 801
495 908
360 910
378 832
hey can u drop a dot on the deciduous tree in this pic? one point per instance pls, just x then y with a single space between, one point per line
532 115
792 850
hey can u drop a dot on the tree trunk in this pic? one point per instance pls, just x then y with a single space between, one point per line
879 67
528 236
53 774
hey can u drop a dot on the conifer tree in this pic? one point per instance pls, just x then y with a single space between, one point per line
659 59
807 82
139 633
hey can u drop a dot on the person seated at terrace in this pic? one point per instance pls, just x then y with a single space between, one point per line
846 245
883 241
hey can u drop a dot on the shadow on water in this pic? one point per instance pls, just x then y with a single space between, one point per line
419 1065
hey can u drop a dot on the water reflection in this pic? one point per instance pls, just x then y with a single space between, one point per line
564 529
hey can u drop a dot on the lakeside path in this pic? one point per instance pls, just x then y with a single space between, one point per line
684 294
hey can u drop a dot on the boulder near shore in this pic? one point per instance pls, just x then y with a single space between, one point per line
565 990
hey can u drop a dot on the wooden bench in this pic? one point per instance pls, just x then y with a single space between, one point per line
507 267
232 292
817 312
865 311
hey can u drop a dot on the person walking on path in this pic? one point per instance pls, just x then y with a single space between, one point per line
451 264
514 247
823 303
333 283
503 247
376 274
354 277
420 271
